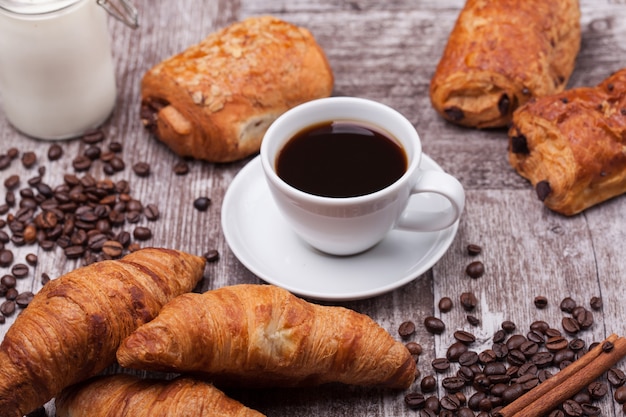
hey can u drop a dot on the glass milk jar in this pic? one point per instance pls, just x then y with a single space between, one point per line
57 78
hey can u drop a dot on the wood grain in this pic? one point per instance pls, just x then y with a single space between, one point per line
385 51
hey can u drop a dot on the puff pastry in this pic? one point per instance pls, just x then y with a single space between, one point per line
262 335
215 100
572 145
125 395
73 326
501 53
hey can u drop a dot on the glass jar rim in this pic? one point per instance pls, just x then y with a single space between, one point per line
35 7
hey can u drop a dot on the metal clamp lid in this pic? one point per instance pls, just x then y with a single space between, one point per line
125 12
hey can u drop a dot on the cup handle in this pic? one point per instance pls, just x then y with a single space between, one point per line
429 221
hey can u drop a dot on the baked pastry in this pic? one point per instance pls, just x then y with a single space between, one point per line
571 145
215 100
73 326
125 395
500 54
262 335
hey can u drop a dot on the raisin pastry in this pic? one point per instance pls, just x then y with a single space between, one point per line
215 100
571 145
500 54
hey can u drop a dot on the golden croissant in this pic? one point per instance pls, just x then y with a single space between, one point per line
126 395
262 335
73 326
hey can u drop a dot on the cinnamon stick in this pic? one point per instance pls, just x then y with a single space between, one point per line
562 386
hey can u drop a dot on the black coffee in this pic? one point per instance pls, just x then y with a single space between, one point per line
341 159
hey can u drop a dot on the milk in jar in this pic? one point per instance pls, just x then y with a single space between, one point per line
57 77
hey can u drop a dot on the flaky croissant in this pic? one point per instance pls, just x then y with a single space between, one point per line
73 326
500 54
262 335
570 146
125 395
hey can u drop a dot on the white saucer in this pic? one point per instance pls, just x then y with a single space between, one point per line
263 242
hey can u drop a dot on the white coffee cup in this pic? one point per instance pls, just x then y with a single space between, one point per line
350 225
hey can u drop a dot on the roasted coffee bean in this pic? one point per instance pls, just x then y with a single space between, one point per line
440 364
515 341
542 359
455 350
543 374
584 318
576 344
570 325
181 168
572 409
93 152
151 211
6 257
541 302
620 394
453 383
607 346
473 249
449 402
464 412
93 136
551 332
428 384
74 252
8 281
141 169
415 400
466 373
481 383
24 299
535 337
529 348
5 162
445 304
500 350
7 308
434 325
19 270
202 203
425 412
527 368
12 182
494 368
595 303
527 381
557 343
414 348
515 357
29 159
81 163
473 320
597 390
464 337
556 413
508 326
55 152
590 410
499 336
616 377
468 358
113 248
406 329
568 305
513 392
142 233
474 400
539 326
212 255
468 301
475 269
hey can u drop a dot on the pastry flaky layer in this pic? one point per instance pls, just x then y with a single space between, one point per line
501 53
262 335
126 395
74 324
215 100
572 145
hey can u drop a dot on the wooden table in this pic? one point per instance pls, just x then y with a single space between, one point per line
386 51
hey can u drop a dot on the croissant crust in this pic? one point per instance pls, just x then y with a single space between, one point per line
260 335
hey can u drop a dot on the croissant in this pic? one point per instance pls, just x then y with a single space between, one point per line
73 326
262 335
571 145
126 395
500 54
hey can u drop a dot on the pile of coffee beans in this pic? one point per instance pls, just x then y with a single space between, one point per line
89 216
479 382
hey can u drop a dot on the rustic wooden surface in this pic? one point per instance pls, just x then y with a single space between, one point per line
387 51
